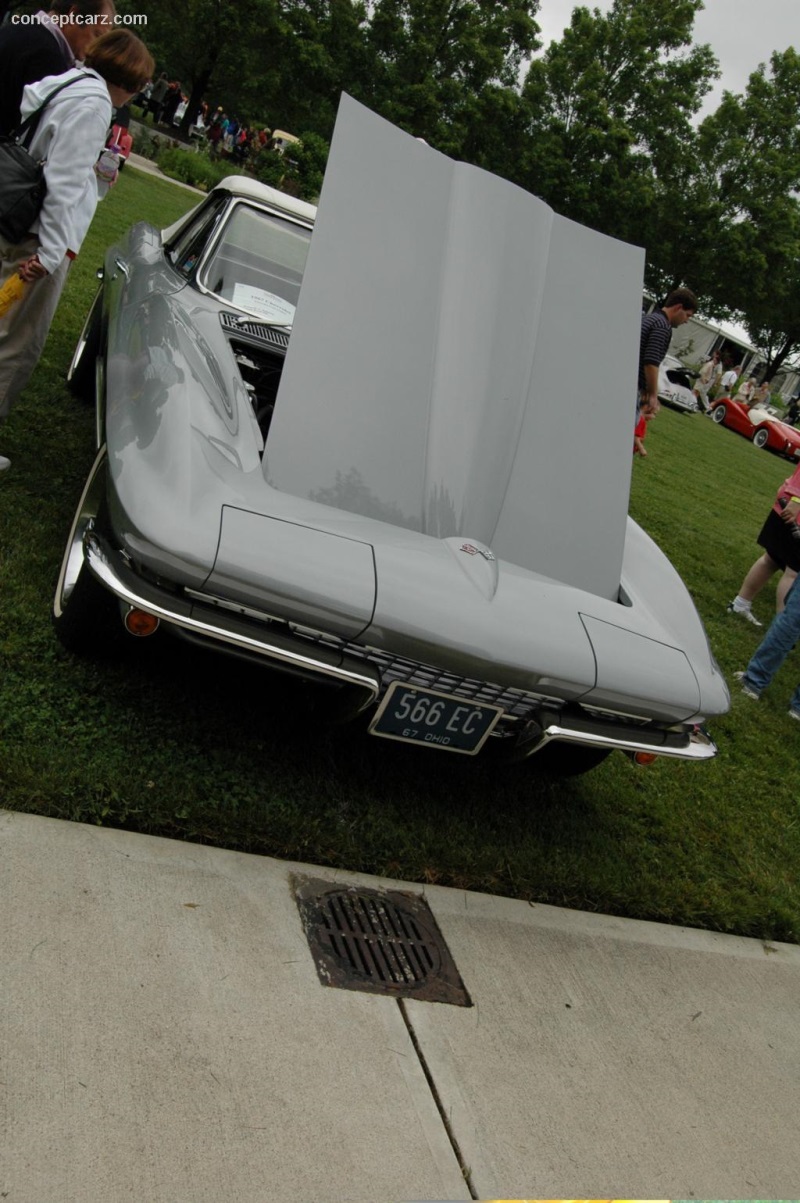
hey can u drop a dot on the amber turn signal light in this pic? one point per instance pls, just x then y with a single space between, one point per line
140 623
644 757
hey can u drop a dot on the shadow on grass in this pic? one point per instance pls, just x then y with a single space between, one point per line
226 752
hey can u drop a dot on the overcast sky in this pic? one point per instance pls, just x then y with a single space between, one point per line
742 33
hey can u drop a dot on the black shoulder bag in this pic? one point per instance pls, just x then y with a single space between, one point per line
22 182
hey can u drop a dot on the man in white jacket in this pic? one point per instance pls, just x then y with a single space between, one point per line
70 136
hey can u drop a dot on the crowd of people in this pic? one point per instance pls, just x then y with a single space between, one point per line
780 534
225 136
718 379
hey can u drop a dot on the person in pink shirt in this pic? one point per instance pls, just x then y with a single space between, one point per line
780 538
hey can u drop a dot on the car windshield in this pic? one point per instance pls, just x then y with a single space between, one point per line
258 263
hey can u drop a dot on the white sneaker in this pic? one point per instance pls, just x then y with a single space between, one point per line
747 690
4 463
748 614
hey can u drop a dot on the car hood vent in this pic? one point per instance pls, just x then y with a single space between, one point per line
294 571
274 336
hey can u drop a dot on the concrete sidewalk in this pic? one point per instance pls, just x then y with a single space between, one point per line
165 1036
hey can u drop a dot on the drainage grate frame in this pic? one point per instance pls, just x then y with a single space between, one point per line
380 941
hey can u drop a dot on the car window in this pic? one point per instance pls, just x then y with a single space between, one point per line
257 263
186 250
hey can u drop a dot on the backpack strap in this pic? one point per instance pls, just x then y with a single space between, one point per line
25 131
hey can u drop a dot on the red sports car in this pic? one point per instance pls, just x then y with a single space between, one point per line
762 427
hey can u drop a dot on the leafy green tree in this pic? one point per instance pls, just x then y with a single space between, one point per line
750 150
211 46
268 62
268 166
320 49
603 127
310 157
299 171
434 59
610 114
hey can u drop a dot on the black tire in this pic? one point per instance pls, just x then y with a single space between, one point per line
82 371
560 759
85 616
341 705
718 414
760 438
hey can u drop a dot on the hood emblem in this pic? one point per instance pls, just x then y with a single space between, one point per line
472 550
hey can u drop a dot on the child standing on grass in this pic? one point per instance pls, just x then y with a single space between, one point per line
645 414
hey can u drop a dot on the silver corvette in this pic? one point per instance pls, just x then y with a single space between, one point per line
392 458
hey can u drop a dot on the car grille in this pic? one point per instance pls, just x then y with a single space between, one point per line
517 704
237 324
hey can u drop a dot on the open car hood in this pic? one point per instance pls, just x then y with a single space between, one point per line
463 361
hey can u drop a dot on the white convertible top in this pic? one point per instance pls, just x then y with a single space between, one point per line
249 189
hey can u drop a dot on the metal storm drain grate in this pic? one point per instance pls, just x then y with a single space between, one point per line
382 942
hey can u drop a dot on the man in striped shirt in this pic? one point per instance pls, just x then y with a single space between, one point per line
657 327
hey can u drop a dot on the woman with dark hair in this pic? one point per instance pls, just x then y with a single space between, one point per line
69 138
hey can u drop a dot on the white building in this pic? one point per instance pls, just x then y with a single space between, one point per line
695 341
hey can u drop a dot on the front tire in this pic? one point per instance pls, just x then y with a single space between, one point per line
81 374
760 438
561 759
556 759
85 616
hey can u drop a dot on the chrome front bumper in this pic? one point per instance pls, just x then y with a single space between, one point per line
115 574
692 744
329 661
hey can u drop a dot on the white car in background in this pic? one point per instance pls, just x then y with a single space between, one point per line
675 387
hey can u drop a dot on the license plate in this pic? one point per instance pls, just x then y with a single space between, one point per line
437 720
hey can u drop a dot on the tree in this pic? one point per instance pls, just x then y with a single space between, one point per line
210 44
270 62
610 114
322 50
434 59
751 151
300 171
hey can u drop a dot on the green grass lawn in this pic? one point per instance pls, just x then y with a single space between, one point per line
197 747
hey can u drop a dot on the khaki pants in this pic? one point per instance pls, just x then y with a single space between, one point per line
24 329
701 392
